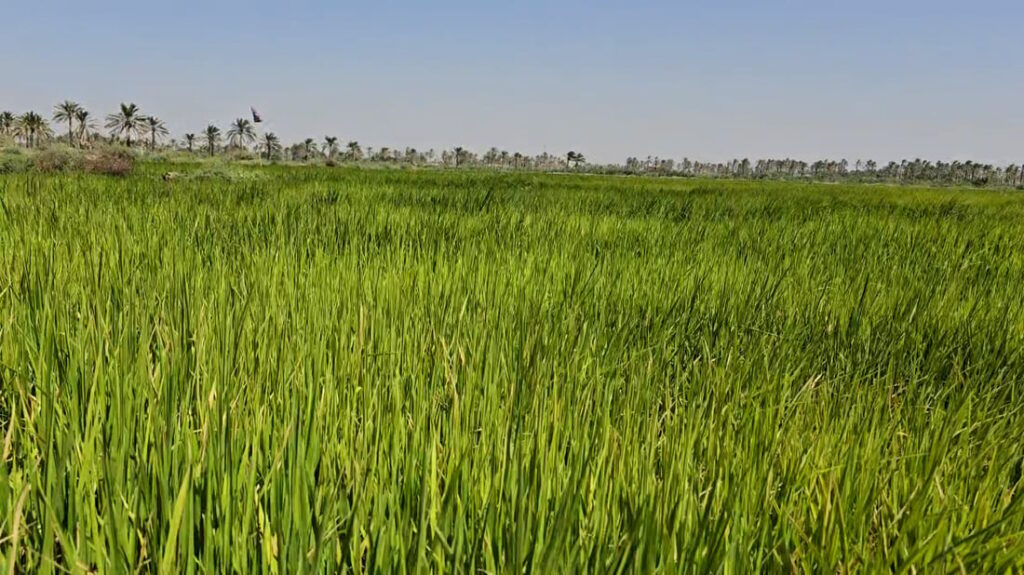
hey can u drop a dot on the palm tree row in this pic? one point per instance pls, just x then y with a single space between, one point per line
29 128
71 113
915 171
129 126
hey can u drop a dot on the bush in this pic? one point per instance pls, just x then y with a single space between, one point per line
13 160
109 162
57 159
240 154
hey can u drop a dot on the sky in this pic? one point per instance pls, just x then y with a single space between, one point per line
709 80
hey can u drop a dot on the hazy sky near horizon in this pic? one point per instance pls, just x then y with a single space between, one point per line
874 79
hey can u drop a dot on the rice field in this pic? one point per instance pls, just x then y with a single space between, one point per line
305 370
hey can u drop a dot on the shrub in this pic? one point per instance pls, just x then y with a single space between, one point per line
57 159
240 154
13 160
109 162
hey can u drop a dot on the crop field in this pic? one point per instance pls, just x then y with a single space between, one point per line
288 370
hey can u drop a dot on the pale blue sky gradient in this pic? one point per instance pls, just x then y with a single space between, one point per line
875 79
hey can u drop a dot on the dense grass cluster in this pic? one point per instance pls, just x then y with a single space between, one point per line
314 370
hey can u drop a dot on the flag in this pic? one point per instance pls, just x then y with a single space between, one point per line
256 118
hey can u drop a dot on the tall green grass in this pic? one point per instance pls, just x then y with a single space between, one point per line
310 370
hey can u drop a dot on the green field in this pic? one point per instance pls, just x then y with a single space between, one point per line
342 370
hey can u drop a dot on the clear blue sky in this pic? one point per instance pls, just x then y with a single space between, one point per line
936 79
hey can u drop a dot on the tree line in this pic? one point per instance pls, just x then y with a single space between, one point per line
131 127
905 171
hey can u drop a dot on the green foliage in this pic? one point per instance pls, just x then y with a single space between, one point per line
57 158
14 160
240 155
340 370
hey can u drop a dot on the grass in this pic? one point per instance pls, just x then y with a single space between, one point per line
314 370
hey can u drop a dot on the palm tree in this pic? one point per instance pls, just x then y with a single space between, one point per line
241 133
85 125
67 111
31 127
353 151
127 122
6 123
330 146
309 146
212 135
270 145
190 140
156 129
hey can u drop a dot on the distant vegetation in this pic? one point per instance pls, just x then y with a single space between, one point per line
397 371
130 127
